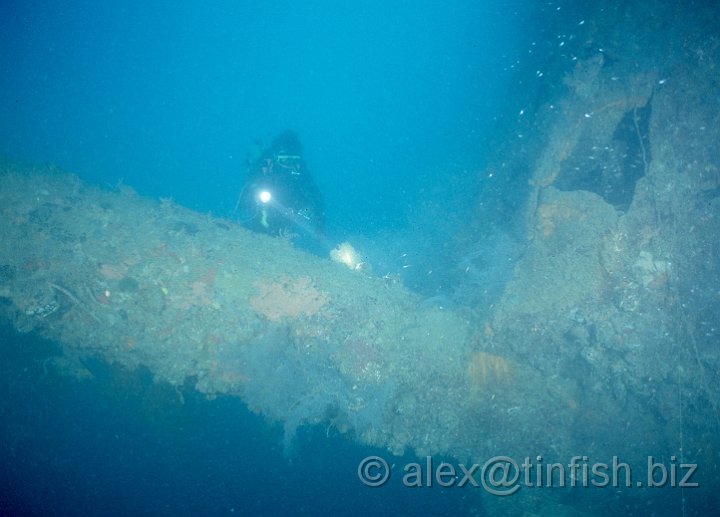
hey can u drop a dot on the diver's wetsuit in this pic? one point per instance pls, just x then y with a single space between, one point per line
279 194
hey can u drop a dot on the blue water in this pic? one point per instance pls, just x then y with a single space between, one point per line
170 97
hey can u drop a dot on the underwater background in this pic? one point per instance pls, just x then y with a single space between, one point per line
170 98
424 126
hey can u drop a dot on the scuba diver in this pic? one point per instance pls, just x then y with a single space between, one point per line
279 195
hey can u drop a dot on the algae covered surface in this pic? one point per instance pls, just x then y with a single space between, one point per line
206 303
